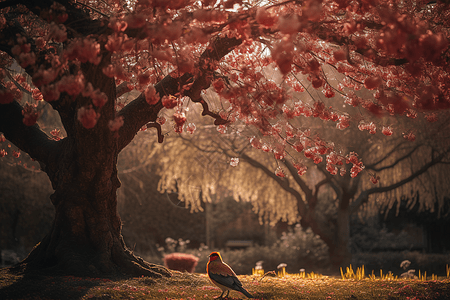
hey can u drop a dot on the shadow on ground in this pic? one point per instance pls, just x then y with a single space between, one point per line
14 285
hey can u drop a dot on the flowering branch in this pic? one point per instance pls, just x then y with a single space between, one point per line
30 139
138 112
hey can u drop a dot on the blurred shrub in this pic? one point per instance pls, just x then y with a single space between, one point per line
370 238
297 248
181 262
26 212
390 261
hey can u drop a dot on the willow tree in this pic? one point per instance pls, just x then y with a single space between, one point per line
206 167
83 55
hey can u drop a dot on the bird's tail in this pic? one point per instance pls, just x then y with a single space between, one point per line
243 291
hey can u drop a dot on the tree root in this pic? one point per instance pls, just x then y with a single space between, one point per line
79 261
136 266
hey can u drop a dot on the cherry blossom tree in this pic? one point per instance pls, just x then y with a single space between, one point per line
84 56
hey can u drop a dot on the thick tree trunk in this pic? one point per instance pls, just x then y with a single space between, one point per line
337 239
340 255
85 238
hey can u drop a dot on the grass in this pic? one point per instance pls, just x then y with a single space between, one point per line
197 286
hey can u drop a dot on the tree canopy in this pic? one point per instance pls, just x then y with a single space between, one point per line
397 50
381 57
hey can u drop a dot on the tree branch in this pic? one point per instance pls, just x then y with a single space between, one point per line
301 183
283 183
397 161
364 196
79 21
138 112
30 139
122 89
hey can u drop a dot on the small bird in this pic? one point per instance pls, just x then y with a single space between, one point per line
223 276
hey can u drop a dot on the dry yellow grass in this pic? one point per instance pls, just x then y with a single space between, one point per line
197 286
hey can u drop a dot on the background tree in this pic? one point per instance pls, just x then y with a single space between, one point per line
205 166
83 55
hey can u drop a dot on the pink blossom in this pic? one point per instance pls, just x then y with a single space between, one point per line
15 92
57 32
6 97
374 179
99 98
115 124
265 18
87 116
56 134
161 120
15 50
185 65
256 143
283 55
143 78
170 101
409 136
151 96
372 82
180 119
279 172
190 128
289 24
40 43
116 71
71 84
50 92
114 43
234 161
136 20
218 85
117 25
301 168
85 50
432 117
27 59
203 15
30 115
387 130
88 90
298 146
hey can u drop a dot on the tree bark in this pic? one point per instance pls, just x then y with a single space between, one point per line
340 255
85 238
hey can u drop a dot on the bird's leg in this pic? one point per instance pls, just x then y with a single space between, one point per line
220 297
228 292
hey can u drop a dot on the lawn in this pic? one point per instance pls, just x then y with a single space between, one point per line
197 286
